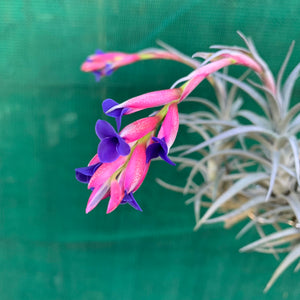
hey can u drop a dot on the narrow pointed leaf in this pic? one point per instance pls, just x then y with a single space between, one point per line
231 192
255 118
271 237
275 163
294 146
249 90
249 204
289 259
294 202
281 72
289 85
228 134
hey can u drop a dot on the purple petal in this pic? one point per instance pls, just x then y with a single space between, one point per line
123 148
84 174
98 75
107 150
128 198
162 143
165 157
104 129
117 113
159 148
152 151
108 104
98 51
108 69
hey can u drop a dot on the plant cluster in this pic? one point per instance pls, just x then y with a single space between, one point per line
248 160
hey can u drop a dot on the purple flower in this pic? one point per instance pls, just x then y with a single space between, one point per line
106 71
84 174
117 113
158 148
111 145
128 198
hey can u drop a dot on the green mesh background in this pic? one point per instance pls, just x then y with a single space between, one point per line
49 248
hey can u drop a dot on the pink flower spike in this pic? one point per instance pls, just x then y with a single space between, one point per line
105 171
243 59
142 177
170 125
94 160
148 100
135 168
115 59
116 196
99 193
139 128
166 136
198 75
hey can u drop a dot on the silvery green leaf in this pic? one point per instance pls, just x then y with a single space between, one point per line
262 234
297 267
295 150
249 204
199 130
184 160
201 191
197 208
245 229
230 133
294 202
289 85
172 187
251 223
275 163
185 78
253 51
268 92
250 91
210 56
271 237
180 148
231 192
281 242
234 88
234 48
192 62
203 55
201 114
254 118
288 260
295 122
265 143
281 72
213 122
271 250
197 168
220 87
236 105
237 152
290 115
207 103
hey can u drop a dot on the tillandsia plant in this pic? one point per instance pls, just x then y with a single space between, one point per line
248 160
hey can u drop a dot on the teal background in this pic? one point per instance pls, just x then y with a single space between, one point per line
49 248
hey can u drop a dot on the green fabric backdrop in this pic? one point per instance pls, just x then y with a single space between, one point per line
49 248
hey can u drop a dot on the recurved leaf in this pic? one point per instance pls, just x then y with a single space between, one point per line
237 187
289 259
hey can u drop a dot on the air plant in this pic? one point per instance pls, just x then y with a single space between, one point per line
248 171
248 159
